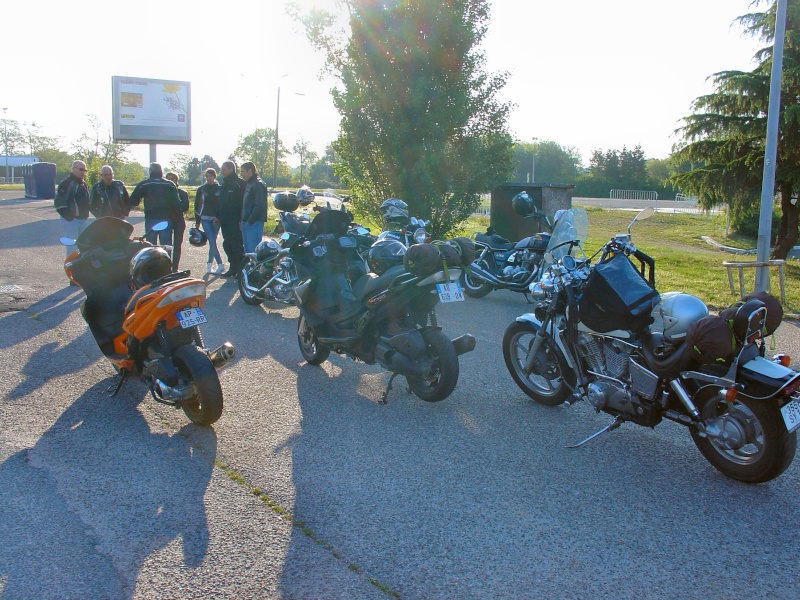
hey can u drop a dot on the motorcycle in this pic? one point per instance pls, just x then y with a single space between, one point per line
504 265
146 319
633 354
387 317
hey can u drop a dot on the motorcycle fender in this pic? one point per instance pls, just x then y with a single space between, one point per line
301 291
769 374
559 340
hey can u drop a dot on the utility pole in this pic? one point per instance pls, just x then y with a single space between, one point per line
5 140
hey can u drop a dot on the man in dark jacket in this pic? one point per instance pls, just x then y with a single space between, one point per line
108 197
230 217
178 222
161 203
72 203
254 207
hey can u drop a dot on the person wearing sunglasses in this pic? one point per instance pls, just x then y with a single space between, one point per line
72 203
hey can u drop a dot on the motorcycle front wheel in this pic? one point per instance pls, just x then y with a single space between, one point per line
473 286
545 383
441 380
248 296
194 366
769 447
312 350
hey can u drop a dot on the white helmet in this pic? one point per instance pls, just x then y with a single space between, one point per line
677 311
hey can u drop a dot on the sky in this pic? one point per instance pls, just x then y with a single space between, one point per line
587 74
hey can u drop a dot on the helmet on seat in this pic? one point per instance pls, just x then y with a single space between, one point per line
197 237
285 201
678 311
522 204
394 212
305 196
385 254
149 264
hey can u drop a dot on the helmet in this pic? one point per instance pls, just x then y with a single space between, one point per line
285 201
197 237
394 212
385 254
267 249
678 311
522 204
305 196
148 264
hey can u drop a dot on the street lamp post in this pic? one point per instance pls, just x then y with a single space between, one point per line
277 122
5 141
533 160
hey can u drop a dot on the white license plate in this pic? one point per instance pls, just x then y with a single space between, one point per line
791 415
450 292
191 317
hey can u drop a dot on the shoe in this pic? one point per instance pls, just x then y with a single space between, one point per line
229 273
219 270
209 267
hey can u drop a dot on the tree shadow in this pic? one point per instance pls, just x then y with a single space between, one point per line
98 494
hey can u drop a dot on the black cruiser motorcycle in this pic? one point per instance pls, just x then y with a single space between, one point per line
386 317
602 334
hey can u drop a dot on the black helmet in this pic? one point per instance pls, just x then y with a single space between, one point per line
305 196
285 201
266 249
522 204
197 237
148 264
384 254
394 212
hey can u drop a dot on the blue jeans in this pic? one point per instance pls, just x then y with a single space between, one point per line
251 235
211 232
72 229
164 236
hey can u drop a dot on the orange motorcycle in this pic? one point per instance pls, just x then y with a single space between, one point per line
146 319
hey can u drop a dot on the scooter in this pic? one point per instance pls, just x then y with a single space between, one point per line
145 319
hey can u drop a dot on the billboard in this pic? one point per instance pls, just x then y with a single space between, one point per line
151 110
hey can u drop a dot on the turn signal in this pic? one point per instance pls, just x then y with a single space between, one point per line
782 359
731 393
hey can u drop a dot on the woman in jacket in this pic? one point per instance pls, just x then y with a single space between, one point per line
206 215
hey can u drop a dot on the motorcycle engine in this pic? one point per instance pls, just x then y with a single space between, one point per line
608 359
525 263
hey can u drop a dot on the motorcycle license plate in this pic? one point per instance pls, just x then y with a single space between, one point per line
450 292
191 317
791 415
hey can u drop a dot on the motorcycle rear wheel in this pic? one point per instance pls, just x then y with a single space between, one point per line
473 286
440 382
248 296
770 448
545 384
194 366
314 352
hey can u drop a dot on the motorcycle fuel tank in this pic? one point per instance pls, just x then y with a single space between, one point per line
537 243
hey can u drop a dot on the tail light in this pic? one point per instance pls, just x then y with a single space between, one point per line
182 293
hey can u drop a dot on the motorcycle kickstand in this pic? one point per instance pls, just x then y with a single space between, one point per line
385 397
123 375
610 427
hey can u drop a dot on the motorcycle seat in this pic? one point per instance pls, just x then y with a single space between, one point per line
494 241
104 312
665 366
370 283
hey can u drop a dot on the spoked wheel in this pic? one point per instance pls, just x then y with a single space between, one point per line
545 383
312 350
205 407
248 296
440 381
758 447
473 286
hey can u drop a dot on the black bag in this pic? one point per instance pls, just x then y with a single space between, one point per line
711 341
774 310
466 248
615 296
422 260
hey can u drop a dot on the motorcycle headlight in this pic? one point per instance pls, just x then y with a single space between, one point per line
537 289
420 236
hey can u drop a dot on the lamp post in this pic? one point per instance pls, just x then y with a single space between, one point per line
277 122
533 160
5 141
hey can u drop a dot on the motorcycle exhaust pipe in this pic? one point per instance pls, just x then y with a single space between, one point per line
482 274
222 356
464 344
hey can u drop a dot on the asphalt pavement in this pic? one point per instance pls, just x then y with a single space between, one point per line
307 487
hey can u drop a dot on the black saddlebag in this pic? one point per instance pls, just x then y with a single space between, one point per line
615 296
711 341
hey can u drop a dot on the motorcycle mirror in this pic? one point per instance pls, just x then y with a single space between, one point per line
549 258
160 226
643 214
65 241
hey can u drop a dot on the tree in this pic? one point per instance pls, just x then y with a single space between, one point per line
306 158
420 119
13 141
726 133
549 161
259 148
614 169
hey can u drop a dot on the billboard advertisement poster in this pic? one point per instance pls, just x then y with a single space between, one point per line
151 110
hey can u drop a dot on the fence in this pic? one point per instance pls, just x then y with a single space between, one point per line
633 195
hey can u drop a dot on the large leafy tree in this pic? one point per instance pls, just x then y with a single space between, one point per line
550 162
420 118
258 147
726 134
614 169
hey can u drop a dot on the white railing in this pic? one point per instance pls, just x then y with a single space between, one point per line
633 195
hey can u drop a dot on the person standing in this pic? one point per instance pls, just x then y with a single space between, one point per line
161 203
254 207
178 221
206 216
72 203
109 197
230 217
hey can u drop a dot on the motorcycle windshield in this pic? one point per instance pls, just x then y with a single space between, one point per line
571 226
105 231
